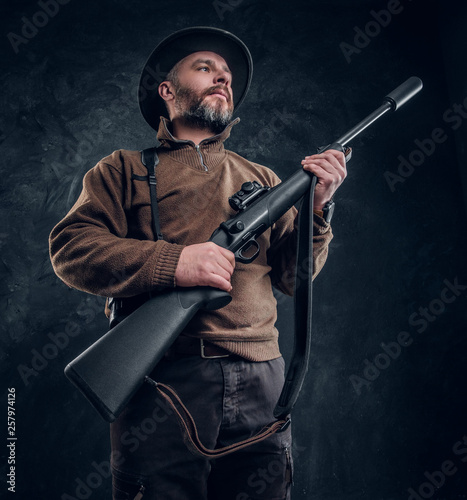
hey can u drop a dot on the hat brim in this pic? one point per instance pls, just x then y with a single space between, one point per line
181 44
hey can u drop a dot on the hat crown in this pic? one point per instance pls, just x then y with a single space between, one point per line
176 47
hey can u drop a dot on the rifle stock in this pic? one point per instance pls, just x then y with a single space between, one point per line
111 370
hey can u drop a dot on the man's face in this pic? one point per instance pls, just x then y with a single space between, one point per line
203 92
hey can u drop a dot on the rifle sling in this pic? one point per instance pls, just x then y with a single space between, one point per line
303 289
150 160
190 432
299 362
119 309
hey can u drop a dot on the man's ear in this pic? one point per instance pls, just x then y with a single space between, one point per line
166 91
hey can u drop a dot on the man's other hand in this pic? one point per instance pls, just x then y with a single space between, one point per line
205 264
330 169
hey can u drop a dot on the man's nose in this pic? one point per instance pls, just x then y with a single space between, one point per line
222 77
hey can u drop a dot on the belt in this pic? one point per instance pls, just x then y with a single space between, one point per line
190 346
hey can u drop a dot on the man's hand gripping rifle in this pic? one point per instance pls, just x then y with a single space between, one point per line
112 369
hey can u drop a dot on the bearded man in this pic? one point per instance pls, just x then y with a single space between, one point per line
226 365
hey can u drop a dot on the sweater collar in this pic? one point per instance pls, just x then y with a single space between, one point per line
207 155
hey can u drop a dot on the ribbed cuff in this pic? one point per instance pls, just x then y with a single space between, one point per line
166 263
320 226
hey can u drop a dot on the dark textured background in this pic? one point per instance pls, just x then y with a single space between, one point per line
68 99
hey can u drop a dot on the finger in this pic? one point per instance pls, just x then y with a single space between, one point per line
218 270
230 256
338 160
333 167
339 155
224 268
217 281
221 261
325 172
217 249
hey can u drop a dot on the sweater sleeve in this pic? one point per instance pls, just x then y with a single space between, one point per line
282 255
90 249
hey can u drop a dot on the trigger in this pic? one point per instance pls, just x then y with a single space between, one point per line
244 255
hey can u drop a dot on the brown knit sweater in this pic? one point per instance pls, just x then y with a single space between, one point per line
105 245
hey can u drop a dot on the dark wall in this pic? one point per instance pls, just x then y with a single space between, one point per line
383 408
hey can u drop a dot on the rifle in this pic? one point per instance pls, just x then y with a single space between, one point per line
112 369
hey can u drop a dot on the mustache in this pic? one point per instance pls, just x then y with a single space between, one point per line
224 88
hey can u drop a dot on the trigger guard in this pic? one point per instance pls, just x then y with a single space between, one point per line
246 260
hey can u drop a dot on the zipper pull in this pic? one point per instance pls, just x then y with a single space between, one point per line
201 157
140 493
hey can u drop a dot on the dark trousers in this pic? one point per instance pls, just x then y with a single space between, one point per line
230 400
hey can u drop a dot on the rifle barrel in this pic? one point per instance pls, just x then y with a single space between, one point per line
393 101
366 122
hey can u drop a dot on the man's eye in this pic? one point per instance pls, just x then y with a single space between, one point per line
203 68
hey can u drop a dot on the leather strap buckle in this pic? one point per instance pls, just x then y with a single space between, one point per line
203 352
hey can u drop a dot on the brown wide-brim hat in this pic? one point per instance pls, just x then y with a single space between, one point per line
177 46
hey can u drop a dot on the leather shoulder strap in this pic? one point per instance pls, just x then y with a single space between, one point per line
190 432
298 365
303 308
150 160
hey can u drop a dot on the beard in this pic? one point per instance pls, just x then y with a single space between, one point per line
195 111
